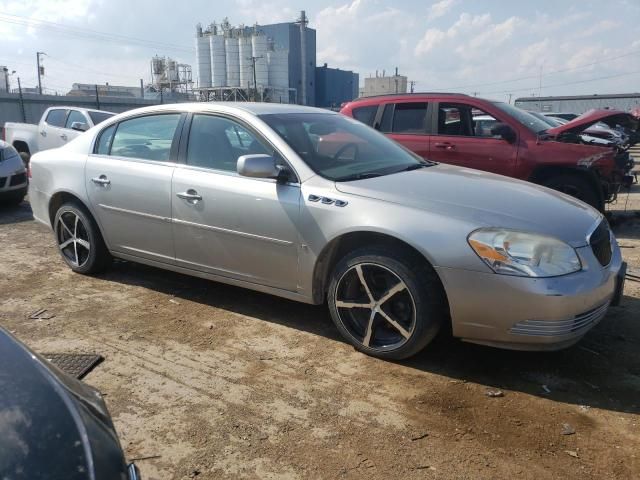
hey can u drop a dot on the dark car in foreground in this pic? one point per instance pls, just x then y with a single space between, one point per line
450 128
53 426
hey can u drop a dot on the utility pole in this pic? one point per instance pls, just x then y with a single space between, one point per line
24 114
40 71
255 82
412 83
510 98
141 89
97 98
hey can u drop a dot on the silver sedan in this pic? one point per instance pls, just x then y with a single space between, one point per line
313 206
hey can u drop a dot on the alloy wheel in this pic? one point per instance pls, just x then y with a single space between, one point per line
375 306
73 238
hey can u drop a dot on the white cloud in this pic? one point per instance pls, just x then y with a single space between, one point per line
440 8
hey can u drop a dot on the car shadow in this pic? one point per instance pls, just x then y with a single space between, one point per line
602 370
15 213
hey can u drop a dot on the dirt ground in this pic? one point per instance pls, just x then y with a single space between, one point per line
214 381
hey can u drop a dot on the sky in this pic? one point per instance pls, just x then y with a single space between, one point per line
493 48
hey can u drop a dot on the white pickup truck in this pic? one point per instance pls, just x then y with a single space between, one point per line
57 126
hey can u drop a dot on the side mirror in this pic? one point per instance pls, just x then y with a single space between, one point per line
79 126
504 131
258 166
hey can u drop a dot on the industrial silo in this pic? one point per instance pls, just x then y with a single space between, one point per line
233 59
218 61
203 58
245 51
259 47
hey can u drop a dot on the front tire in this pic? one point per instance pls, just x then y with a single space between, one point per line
387 304
79 239
578 187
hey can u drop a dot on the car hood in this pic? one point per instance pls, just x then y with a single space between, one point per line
51 422
484 200
587 119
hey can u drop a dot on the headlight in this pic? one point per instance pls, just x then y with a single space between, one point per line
511 252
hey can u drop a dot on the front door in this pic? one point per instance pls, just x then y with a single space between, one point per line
229 225
128 179
464 138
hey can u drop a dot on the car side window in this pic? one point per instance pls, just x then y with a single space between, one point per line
104 142
410 118
217 142
74 116
56 117
366 115
149 137
465 120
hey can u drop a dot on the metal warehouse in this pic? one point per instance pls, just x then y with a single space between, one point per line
580 103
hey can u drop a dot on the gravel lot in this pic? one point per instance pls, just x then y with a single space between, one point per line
218 382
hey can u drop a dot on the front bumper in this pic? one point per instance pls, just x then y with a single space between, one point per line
525 313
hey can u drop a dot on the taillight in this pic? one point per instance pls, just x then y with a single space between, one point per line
29 171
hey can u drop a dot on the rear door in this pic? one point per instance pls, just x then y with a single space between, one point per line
128 180
406 123
462 136
226 224
51 131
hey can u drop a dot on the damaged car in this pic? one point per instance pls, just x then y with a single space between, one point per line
452 128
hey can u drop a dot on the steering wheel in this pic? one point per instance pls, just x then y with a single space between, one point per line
344 148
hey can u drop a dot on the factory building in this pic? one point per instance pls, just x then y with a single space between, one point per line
238 63
285 71
335 86
383 85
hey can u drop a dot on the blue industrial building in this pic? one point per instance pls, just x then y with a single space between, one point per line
297 39
335 86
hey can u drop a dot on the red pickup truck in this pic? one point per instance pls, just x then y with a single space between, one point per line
500 138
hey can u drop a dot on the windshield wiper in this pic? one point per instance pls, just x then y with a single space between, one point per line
359 176
417 166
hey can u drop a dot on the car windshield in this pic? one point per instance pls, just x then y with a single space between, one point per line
341 149
99 117
525 118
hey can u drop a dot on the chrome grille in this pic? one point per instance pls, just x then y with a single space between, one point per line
600 242
544 328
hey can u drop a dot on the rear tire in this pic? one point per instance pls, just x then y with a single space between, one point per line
578 187
79 239
25 156
386 303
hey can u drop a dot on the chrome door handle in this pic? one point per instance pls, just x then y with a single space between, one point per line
63 136
189 195
101 180
445 145
43 133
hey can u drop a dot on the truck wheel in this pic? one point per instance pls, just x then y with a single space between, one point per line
386 304
578 187
79 239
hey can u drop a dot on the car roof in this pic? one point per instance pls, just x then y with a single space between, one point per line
401 96
253 108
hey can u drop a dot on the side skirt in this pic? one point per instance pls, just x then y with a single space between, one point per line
217 278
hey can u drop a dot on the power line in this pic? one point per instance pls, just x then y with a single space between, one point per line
551 72
564 83
90 33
